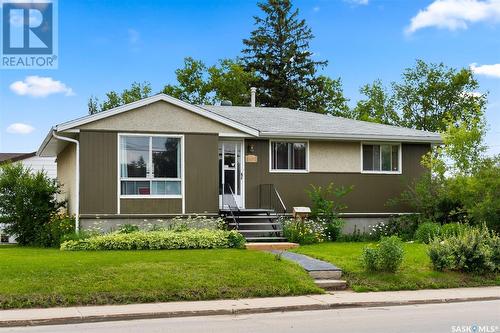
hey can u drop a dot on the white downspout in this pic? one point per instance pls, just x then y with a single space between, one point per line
77 171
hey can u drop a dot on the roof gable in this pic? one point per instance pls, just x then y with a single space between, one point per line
77 123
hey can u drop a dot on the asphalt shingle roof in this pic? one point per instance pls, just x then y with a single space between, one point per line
284 120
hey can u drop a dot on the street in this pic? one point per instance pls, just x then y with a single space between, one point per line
453 317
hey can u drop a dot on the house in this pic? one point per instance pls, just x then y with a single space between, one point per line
161 157
33 162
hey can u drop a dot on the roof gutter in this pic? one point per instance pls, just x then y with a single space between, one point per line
77 176
344 136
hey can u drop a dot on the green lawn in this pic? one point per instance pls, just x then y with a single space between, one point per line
415 272
32 277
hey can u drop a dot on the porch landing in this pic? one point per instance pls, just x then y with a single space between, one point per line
280 246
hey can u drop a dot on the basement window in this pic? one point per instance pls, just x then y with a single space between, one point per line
288 156
150 166
381 158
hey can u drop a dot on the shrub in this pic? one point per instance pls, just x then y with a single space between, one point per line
333 228
158 240
473 250
452 229
326 210
28 203
387 256
390 253
370 259
54 232
304 231
427 231
403 226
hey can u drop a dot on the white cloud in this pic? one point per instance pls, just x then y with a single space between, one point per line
316 9
37 86
20 128
486 70
455 14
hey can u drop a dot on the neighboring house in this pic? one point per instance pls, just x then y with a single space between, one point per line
32 161
35 163
160 157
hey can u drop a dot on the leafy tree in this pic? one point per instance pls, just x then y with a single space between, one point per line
192 83
432 95
278 51
113 99
462 151
326 96
28 202
378 106
230 81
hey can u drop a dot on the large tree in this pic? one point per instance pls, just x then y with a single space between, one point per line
199 84
431 96
192 83
377 106
113 99
278 51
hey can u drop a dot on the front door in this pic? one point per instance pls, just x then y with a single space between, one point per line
231 177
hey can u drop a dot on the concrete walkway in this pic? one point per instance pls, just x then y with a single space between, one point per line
341 299
308 263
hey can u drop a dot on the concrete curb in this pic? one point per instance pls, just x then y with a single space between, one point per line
228 307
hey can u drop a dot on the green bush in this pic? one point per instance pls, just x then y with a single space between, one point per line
473 250
333 228
387 256
158 240
452 229
304 231
28 204
403 226
370 259
326 210
427 231
56 230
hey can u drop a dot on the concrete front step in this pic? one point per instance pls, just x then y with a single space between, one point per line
257 239
325 275
331 284
280 246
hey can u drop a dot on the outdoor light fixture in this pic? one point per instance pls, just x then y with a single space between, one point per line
251 149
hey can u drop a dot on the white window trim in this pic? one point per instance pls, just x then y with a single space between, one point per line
271 170
400 158
152 196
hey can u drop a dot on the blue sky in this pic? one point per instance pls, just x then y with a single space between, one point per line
106 45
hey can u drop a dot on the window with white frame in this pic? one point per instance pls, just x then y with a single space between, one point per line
382 158
150 165
288 156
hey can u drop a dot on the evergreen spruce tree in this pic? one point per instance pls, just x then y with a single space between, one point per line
278 52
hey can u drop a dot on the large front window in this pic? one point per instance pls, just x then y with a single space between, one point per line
150 165
288 156
383 158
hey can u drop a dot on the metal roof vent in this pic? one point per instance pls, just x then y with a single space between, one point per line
226 103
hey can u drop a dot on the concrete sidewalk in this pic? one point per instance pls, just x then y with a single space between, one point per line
340 299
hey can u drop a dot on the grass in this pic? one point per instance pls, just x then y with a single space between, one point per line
32 277
415 273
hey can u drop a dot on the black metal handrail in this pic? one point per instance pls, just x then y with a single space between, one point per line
230 207
270 198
